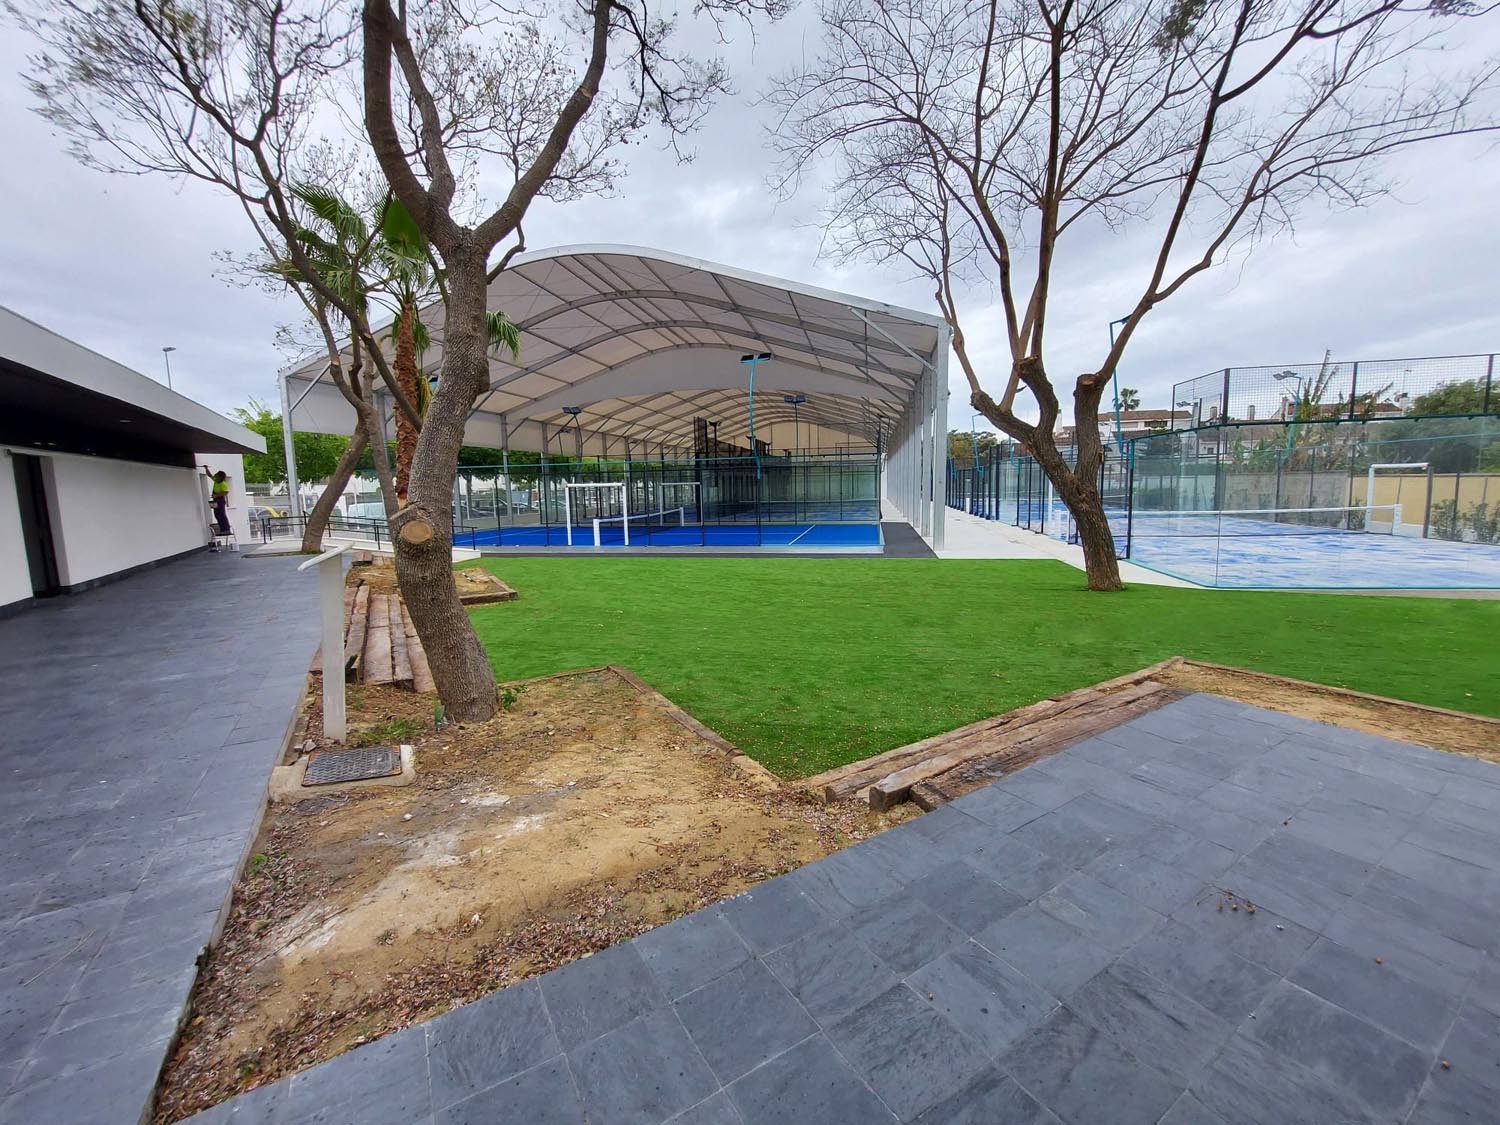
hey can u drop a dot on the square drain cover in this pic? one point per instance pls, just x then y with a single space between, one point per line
328 767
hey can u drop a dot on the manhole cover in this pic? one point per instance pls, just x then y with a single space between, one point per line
329 767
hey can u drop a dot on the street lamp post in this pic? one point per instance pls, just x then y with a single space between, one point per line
796 401
573 412
1114 378
752 361
166 355
1282 377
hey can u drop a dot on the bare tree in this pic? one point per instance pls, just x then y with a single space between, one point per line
968 138
227 93
571 91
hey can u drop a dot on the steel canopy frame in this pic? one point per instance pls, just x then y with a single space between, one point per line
643 341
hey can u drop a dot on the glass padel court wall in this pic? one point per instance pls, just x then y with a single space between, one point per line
814 501
1394 503
1004 485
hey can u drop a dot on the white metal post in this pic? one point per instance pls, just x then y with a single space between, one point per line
510 496
330 566
940 451
289 447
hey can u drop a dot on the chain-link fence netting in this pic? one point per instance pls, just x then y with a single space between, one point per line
1354 389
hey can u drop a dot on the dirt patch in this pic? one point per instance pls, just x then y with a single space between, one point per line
475 586
581 817
1474 736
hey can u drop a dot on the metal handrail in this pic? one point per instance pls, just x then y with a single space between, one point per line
372 527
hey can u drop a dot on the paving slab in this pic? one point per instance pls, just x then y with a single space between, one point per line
129 786
1211 915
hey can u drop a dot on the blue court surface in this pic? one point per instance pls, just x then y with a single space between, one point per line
1334 560
848 537
1232 553
1237 552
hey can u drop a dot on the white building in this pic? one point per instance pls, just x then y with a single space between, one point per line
101 467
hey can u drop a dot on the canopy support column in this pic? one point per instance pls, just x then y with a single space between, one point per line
289 448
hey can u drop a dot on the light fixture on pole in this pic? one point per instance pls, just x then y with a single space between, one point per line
1114 380
752 361
796 401
1282 377
166 355
573 412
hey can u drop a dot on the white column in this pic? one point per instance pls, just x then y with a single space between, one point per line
330 566
293 486
940 450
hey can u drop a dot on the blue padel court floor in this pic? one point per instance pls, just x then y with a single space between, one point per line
770 536
1337 560
1240 554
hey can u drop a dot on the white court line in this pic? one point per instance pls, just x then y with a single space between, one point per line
809 531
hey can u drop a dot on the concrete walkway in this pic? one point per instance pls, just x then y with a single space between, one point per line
1210 914
969 537
138 725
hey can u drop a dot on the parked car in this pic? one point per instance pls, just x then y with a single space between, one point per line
259 513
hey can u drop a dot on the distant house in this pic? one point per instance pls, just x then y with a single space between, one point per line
101 467
1133 424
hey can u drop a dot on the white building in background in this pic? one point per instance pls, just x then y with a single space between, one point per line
101 467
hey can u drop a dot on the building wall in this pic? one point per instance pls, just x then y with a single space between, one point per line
15 578
109 516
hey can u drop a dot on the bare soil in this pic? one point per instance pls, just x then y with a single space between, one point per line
581 817
471 582
1472 736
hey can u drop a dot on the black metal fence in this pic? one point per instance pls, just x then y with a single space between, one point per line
1004 485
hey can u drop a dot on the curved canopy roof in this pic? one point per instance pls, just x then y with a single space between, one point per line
644 341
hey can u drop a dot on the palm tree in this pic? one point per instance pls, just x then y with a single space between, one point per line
385 262
342 247
411 280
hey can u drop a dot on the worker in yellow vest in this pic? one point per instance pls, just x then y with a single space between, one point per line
221 498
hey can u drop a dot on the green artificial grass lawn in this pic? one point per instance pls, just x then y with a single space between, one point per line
806 664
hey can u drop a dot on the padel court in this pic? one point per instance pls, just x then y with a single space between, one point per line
844 538
1239 550
664 402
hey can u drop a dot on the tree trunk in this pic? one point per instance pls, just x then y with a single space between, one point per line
423 529
380 454
1083 498
1096 538
1077 484
317 519
406 378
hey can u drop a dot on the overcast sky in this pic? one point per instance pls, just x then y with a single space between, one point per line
125 265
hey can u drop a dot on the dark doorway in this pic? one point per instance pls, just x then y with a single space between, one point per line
36 525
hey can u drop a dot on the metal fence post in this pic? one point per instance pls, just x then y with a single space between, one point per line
1427 507
1489 380
1353 389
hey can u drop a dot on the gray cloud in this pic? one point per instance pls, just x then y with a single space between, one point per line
126 264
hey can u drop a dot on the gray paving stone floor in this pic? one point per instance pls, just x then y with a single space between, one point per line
1075 942
139 722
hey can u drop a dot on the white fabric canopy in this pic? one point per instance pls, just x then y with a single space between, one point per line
642 342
